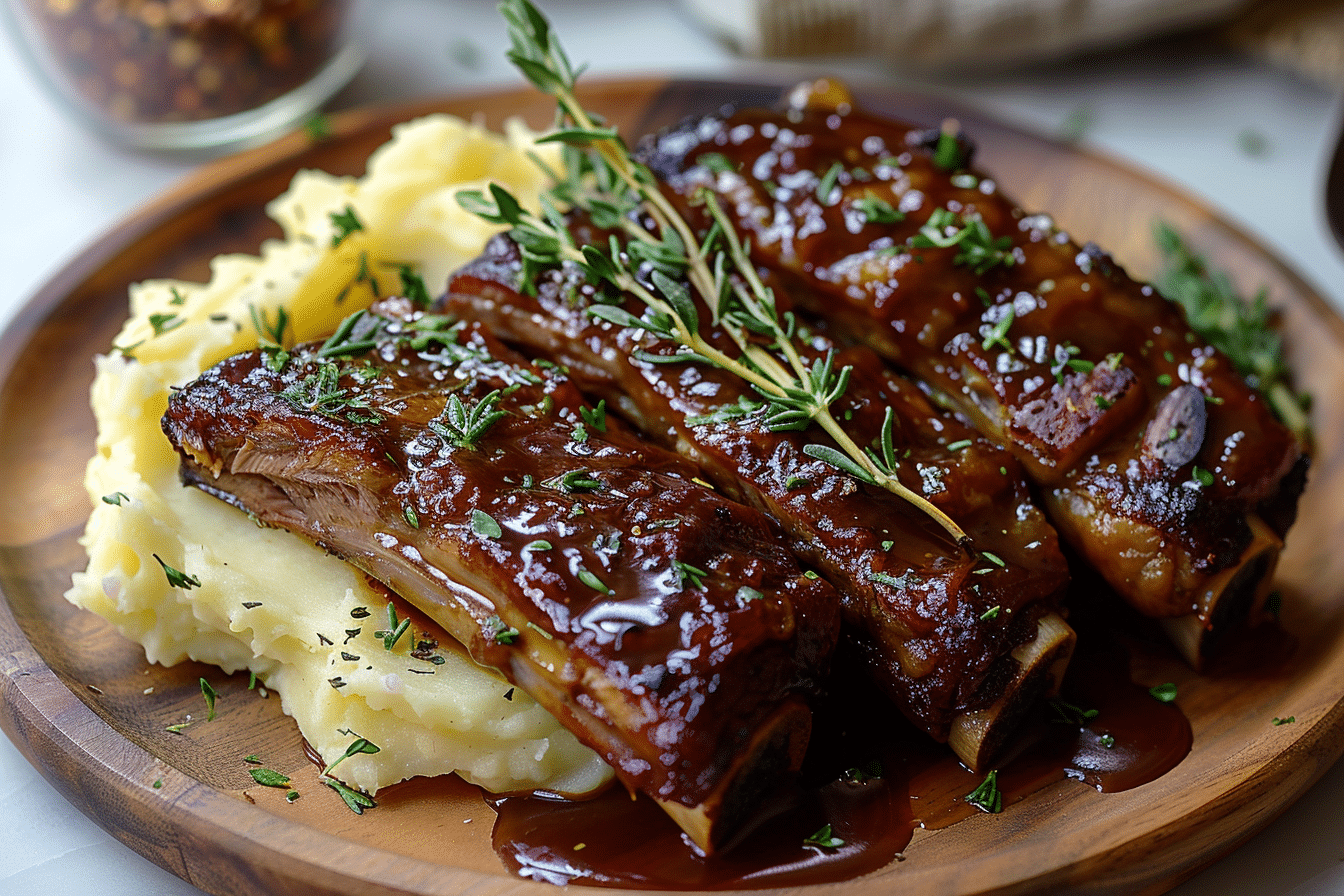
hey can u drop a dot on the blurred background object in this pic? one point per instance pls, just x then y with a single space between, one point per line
189 74
1306 36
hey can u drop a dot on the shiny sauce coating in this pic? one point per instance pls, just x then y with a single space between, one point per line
871 777
1046 346
662 623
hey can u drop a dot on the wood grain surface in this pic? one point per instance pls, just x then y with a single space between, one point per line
73 692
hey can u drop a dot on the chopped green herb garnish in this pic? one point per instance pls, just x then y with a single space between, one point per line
1202 476
115 498
253 759
1242 330
176 577
597 417
354 799
413 286
744 407
345 222
1286 721
501 631
977 248
592 581
1164 693
463 426
322 393
317 127
360 745
994 558
824 838
1107 740
163 323
746 593
716 162
948 154
887 579
685 572
877 211
826 186
987 797
412 518
573 481
210 695
960 445
268 778
540 544
997 334
484 525
395 628
291 796
991 613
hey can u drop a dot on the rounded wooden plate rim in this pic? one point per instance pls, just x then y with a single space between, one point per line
36 706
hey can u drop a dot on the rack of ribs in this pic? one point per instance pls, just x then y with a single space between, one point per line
963 642
1153 457
666 625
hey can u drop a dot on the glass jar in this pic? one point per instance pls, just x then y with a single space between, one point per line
189 74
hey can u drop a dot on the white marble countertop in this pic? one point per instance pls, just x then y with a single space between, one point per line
1176 112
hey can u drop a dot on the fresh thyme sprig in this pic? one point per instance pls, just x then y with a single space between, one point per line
659 254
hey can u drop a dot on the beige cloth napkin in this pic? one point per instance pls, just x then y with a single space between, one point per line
1305 36
945 33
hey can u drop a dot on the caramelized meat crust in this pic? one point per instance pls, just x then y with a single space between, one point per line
666 625
937 625
1153 455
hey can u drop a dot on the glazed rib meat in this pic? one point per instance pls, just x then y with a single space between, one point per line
667 626
963 642
1153 457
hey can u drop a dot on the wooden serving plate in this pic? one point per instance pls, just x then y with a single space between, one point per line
77 698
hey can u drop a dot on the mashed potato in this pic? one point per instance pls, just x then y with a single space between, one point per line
262 599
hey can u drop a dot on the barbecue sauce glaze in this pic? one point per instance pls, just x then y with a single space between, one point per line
870 775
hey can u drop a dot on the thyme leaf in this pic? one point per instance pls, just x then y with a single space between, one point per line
677 274
268 778
824 837
987 797
463 425
211 695
177 578
345 223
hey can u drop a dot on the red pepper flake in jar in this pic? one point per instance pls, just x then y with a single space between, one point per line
165 61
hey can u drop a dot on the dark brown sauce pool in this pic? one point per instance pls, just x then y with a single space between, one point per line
904 781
